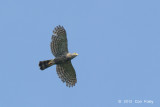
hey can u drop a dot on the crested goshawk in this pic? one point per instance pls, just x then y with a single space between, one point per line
62 60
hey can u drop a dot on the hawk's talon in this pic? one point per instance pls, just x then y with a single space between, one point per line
49 63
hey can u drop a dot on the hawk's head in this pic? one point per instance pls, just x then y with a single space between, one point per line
72 55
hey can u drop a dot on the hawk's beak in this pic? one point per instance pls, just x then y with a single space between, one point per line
76 54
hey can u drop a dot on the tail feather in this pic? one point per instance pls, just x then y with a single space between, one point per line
45 64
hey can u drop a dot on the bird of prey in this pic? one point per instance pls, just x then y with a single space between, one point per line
62 60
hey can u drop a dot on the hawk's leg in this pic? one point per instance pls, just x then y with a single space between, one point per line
51 62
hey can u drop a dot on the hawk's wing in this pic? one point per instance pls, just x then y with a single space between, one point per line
59 41
67 73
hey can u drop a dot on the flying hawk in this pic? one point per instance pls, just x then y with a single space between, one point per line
62 60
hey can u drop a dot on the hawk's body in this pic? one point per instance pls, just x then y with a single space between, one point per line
62 59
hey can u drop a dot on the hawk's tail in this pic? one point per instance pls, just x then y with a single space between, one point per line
45 64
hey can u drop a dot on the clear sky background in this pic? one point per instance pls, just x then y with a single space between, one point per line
118 42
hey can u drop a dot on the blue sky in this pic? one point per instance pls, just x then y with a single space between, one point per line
118 42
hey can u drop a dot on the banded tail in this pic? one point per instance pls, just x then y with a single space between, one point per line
45 64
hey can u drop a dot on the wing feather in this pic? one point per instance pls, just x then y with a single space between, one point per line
67 73
59 45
